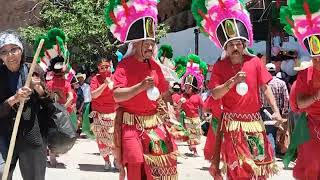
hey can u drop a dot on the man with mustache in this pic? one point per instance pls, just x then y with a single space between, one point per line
148 151
236 80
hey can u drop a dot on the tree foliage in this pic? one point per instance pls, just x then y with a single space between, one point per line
83 22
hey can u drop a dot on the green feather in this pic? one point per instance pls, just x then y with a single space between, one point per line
180 65
196 59
55 37
296 6
285 14
165 50
204 67
214 124
163 147
251 51
195 7
109 8
54 32
36 44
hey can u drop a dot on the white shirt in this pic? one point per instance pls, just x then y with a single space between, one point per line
86 92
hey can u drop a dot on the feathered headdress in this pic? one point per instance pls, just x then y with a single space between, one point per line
223 20
54 46
180 65
132 20
165 51
196 70
302 19
165 54
54 53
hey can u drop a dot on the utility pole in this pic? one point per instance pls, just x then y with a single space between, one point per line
196 41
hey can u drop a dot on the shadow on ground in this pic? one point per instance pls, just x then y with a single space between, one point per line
58 166
95 154
191 155
204 169
95 168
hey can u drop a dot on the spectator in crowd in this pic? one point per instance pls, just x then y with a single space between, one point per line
30 148
281 95
85 89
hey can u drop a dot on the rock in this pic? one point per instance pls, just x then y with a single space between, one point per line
20 13
177 15
17 13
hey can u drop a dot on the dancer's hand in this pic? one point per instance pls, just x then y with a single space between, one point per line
108 81
240 77
147 83
182 100
276 116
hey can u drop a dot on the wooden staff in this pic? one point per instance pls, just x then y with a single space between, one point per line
19 113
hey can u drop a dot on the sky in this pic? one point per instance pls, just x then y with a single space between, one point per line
183 42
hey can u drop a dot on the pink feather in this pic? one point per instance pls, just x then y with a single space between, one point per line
129 14
218 13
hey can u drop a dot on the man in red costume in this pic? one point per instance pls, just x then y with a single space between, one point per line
140 123
305 93
103 109
305 97
142 141
236 80
243 130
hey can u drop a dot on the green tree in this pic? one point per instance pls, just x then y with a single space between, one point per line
83 23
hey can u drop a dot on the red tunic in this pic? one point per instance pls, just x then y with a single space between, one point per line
308 161
257 75
308 83
236 141
61 87
130 72
213 106
192 104
105 102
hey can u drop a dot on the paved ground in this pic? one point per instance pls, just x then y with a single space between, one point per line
84 163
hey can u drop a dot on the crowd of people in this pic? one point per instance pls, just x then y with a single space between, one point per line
251 110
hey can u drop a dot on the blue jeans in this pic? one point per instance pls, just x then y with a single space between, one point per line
272 135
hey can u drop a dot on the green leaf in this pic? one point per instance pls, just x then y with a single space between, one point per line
83 22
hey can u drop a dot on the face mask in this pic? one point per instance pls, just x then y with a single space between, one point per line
105 74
